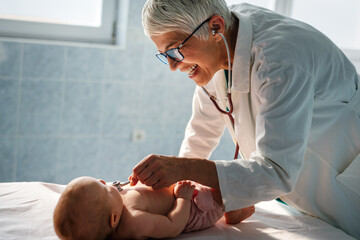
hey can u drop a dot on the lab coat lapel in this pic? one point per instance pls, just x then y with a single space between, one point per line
244 132
244 122
244 104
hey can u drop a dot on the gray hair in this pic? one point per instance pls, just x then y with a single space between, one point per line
162 16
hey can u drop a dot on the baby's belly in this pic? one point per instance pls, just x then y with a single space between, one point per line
154 201
161 201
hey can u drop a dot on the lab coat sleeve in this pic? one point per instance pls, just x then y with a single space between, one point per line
282 128
204 129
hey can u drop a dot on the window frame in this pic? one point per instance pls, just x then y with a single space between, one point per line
111 33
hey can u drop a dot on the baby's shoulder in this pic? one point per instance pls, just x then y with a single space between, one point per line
133 223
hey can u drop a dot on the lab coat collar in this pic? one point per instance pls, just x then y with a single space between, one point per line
242 55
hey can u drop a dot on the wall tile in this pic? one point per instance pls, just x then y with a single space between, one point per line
135 38
37 158
118 157
174 129
179 102
40 109
121 108
120 126
82 102
125 65
45 62
135 9
155 72
152 128
158 145
8 106
10 59
7 159
226 148
179 78
77 157
85 63
153 103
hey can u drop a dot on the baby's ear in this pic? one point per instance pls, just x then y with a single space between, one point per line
114 219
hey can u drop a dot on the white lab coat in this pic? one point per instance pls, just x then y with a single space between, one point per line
297 121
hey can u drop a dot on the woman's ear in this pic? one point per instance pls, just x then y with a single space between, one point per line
114 219
217 25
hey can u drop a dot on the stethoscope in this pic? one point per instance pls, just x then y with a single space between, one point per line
119 184
213 99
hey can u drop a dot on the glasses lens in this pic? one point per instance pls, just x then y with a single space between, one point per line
162 57
175 54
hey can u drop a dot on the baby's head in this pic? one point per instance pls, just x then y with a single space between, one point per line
87 209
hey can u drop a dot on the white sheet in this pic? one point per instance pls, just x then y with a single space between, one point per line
26 213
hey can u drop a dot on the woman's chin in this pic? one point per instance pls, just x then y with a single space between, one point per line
199 78
201 83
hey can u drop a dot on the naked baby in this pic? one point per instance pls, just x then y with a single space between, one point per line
90 209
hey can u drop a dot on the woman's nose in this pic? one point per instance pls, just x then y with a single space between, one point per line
173 64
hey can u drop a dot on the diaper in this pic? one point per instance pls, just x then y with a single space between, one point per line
204 211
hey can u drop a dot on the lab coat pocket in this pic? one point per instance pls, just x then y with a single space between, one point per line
350 177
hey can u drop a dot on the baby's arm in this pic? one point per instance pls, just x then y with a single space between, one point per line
159 226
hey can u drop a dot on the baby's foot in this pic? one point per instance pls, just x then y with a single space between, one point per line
237 216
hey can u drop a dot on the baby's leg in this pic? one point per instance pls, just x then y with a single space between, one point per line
236 216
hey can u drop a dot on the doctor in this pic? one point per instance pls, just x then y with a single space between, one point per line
291 101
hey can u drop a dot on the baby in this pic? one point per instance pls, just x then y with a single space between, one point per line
90 209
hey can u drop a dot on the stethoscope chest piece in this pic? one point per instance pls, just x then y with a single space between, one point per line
119 184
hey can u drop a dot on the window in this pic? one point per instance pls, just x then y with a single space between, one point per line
58 12
280 6
269 4
339 20
89 21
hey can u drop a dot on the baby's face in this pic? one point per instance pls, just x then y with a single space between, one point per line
109 195
109 192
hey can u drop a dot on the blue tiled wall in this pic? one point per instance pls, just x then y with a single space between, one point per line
70 111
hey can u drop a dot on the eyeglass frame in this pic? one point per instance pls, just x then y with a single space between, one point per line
178 48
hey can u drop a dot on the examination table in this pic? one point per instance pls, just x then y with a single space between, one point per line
26 213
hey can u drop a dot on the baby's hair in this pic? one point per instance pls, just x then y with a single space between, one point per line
81 214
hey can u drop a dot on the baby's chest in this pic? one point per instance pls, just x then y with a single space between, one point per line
158 202
136 201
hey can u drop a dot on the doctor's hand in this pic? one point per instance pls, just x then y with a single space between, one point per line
158 171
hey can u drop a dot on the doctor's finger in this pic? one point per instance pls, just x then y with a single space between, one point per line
160 184
153 179
143 164
145 174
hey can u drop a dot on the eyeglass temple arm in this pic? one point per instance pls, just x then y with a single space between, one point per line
195 31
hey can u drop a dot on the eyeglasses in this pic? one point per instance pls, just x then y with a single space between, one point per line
174 53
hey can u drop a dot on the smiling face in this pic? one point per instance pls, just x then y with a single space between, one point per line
201 57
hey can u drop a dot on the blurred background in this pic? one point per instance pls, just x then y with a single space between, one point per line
90 105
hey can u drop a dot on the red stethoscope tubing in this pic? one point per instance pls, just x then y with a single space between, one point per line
228 113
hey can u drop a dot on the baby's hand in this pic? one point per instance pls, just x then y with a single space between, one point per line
184 189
